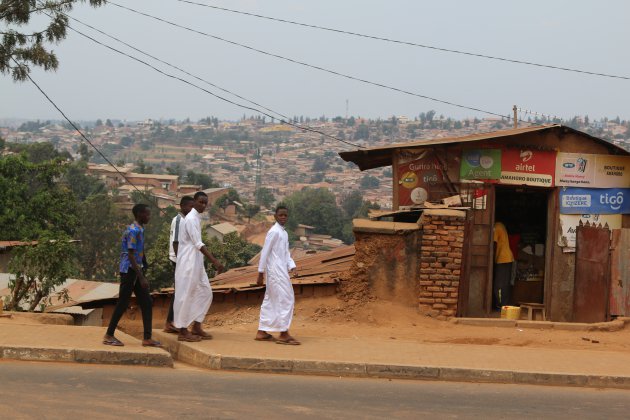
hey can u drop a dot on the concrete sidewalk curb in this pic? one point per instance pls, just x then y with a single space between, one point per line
118 357
187 353
611 326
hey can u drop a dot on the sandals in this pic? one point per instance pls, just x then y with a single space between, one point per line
191 338
152 343
268 337
112 341
289 342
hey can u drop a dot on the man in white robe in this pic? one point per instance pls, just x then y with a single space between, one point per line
193 294
276 311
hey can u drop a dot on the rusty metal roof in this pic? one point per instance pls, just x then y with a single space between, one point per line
376 157
312 269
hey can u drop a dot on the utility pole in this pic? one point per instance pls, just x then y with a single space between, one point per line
514 108
347 109
258 177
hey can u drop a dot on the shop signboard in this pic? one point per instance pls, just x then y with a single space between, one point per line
570 222
481 164
575 169
612 171
417 170
528 167
595 171
595 200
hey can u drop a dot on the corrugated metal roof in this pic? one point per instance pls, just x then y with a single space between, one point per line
376 157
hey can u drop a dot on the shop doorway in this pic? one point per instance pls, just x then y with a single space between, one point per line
523 212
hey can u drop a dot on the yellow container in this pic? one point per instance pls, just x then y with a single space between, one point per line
511 312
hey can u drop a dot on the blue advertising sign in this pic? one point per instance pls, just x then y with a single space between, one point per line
595 201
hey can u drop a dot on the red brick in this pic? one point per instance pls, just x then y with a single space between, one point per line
455 283
439 254
455 254
442 283
453 266
424 276
429 238
436 276
440 243
439 306
428 294
450 289
425 227
454 295
457 272
426 300
425 283
448 262
436 265
450 227
440 295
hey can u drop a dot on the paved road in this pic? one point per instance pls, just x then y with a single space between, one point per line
57 390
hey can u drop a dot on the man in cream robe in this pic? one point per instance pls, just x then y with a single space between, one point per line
276 311
193 294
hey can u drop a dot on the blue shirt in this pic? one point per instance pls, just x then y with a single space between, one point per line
133 238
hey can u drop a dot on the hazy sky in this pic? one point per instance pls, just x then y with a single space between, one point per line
93 82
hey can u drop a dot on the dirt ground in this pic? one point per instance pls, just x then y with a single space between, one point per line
334 317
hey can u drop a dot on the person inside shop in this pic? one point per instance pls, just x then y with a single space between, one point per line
503 260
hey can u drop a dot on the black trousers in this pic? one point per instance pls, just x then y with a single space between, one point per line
502 286
171 312
128 285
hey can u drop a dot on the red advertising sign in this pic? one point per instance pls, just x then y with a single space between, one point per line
528 167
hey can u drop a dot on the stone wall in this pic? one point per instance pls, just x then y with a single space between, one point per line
440 262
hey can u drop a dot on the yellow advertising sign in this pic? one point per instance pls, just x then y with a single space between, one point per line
612 171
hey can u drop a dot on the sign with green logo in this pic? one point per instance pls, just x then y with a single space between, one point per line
481 164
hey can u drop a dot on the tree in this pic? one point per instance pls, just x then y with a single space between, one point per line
204 180
31 48
233 252
315 207
369 182
33 200
39 269
143 168
265 197
108 123
320 164
100 228
80 183
251 210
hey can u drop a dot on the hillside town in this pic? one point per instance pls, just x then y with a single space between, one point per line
254 153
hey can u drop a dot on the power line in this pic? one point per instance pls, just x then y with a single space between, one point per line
358 79
408 43
305 128
78 130
206 81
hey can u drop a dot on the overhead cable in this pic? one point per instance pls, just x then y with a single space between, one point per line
337 73
408 43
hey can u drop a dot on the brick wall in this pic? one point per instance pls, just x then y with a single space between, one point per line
440 263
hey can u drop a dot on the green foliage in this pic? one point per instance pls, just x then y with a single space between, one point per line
265 197
315 207
204 180
30 48
233 252
160 273
39 269
369 182
251 210
100 231
80 183
32 201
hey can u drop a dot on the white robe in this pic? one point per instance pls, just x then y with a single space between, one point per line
276 311
193 294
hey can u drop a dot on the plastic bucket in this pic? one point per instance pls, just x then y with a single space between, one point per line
511 312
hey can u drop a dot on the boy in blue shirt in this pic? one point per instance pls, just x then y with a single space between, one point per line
132 266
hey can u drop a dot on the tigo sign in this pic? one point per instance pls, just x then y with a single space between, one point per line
595 201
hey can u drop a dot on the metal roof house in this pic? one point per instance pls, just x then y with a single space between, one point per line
542 182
